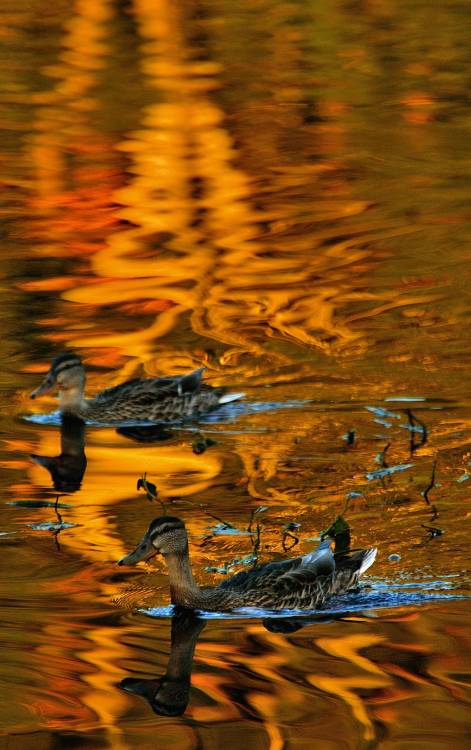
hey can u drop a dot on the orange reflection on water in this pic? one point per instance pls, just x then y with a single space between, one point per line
346 687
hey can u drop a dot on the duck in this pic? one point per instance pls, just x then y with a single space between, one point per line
163 399
299 583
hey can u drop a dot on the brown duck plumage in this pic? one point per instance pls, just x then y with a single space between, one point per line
298 583
155 399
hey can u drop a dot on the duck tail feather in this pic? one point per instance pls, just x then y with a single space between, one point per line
226 398
367 560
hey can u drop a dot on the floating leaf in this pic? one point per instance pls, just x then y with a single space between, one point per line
199 446
434 531
229 566
53 526
413 428
380 473
383 422
37 504
405 398
380 412
149 488
227 529
349 437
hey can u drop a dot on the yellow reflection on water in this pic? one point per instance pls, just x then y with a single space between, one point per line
238 237
195 239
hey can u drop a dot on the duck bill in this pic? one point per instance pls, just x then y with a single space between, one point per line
47 385
144 551
46 461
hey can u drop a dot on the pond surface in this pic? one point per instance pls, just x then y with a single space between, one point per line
278 192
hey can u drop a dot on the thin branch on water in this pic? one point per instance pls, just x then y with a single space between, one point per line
382 456
433 531
286 535
431 484
256 545
216 518
56 533
56 509
425 493
413 422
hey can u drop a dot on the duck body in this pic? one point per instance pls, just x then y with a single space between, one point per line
141 399
300 583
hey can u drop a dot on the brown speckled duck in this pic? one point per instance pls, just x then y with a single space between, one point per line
305 582
154 399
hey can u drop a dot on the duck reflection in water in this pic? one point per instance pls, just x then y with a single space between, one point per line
67 469
169 695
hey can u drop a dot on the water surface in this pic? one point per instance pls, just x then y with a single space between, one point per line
278 192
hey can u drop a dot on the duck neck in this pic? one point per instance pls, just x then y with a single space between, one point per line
183 587
71 400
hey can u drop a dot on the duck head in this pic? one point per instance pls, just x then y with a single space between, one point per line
68 375
166 535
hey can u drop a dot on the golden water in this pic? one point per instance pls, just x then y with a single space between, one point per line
279 192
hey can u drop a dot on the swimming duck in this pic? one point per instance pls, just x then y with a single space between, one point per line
154 399
298 583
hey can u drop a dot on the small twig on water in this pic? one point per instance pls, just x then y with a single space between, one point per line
151 491
431 485
260 509
56 509
382 456
349 437
433 531
56 533
217 518
256 545
286 535
413 421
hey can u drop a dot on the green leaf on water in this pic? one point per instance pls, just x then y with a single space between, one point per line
149 488
199 446
37 504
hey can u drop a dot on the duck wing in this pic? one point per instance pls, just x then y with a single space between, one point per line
314 564
258 577
303 582
315 581
149 390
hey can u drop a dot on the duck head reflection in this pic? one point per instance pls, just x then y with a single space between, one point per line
169 694
67 469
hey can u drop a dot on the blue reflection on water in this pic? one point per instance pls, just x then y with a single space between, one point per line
380 596
225 413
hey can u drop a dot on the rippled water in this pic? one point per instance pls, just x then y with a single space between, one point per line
279 192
